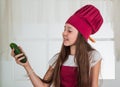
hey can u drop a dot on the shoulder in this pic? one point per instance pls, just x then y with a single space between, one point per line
53 60
95 57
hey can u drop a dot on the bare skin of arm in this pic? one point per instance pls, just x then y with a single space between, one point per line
35 79
94 74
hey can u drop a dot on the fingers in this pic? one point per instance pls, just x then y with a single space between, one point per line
12 53
19 59
19 56
21 49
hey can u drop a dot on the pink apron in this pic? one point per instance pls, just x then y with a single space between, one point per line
68 76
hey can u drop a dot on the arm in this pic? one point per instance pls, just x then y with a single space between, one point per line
94 74
36 81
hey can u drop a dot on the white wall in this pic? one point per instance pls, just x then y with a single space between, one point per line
116 23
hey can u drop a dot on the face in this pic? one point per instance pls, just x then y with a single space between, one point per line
69 35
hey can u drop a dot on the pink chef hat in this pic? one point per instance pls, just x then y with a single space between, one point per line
87 20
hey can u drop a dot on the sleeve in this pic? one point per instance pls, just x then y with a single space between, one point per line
95 58
53 60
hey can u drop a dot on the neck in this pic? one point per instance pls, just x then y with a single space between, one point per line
72 50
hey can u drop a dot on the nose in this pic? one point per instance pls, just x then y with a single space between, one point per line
64 33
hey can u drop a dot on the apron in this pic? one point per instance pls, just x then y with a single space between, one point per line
68 76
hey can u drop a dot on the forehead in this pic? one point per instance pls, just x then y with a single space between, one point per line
69 26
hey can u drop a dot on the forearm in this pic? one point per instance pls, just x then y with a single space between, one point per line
94 85
36 81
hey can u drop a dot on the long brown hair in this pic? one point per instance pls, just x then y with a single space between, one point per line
82 61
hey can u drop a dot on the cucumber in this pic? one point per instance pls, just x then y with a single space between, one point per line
17 51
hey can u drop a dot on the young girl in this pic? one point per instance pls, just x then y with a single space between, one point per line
77 64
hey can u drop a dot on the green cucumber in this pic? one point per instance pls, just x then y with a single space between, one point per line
17 51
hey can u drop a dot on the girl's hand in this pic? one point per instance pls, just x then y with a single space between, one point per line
19 57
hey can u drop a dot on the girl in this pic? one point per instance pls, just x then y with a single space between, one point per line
77 64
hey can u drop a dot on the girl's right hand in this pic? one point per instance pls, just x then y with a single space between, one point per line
19 57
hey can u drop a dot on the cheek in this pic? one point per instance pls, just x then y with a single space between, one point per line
74 38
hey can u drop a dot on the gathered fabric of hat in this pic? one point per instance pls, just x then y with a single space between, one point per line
87 20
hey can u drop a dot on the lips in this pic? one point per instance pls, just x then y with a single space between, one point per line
65 39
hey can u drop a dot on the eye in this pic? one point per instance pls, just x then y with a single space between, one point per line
69 31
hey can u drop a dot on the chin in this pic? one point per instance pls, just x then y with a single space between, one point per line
66 44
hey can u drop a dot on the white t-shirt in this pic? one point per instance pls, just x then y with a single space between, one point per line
95 57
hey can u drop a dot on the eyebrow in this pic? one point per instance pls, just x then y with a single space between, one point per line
68 27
